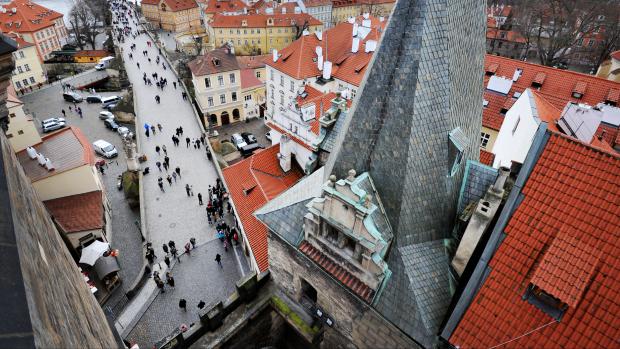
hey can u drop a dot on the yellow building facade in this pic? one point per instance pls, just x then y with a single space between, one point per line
22 131
172 15
257 34
28 68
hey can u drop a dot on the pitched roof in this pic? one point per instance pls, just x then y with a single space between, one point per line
28 17
319 99
562 238
216 6
21 43
67 149
216 61
173 5
249 79
252 62
487 157
77 213
260 20
252 183
298 60
349 280
505 35
557 86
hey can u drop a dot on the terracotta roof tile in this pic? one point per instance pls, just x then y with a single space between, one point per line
252 62
67 149
262 174
614 95
217 6
260 20
249 79
174 5
213 62
349 280
21 43
557 86
77 213
486 157
564 238
301 54
294 137
29 17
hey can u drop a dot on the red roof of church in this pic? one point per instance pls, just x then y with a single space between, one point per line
28 17
252 183
563 238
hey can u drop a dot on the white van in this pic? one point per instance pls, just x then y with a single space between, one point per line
105 149
106 101
104 63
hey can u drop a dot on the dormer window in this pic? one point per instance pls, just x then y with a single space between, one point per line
539 79
491 69
580 89
244 23
545 302
269 21
216 62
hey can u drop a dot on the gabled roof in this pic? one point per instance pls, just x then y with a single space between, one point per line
252 183
67 149
252 62
216 61
21 43
77 213
557 86
28 17
298 60
562 238
217 6
249 79
260 20
173 5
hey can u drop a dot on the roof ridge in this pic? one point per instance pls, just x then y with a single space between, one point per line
614 154
260 186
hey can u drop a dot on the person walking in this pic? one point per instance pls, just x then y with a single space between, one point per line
165 248
165 166
169 279
163 147
167 160
160 285
178 171
187 190
157 149
187 140
171 244
188 248
218 259
200 199
153 129
174 252
174 83
64 113
174 176
169 179
158 164
167 261
183 304
193 242
160 183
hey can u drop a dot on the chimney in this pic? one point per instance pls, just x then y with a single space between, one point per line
366 15
41 159
355 45
283 10
48 165
319 35
498 187
355 27
31 153
275 55
285 153
327 70
319 63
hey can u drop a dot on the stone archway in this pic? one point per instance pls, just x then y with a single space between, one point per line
225 118
213 120
236 115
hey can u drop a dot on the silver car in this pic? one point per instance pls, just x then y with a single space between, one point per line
52 126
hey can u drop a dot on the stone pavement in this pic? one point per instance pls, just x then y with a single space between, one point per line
197 277
170 215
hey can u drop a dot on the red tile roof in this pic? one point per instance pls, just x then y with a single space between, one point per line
215 61
509 35
29 17
249 79
349 280
293 136
557 86
252 62
298 59
260 20
67 149
487 157
78 212
217 6
319 99
615 55
261 177
21 43
173 5
563 238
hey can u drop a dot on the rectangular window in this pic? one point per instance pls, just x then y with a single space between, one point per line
258 74
210 101
27 67
232 78
207 82
32 80
20 132
21 54
220 80
484 139
292 86
257 31
18 84
282 99
248 98
222 99
19 69
234 96
25 82
282 81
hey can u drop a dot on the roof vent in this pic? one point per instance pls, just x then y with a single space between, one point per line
275 55
371 46
355 29
216 62
14 10
41 159
351 20
355 45
517 74
327 70
48 165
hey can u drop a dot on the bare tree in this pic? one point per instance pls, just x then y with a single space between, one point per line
300 29
84 21
610 34
554 28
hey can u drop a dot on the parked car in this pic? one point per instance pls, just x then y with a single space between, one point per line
93 99
123 131
249 138
268 135
52 126
105 149
250 149
238 141
106 101
110 124
104 115
110 107
49 120
72 97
